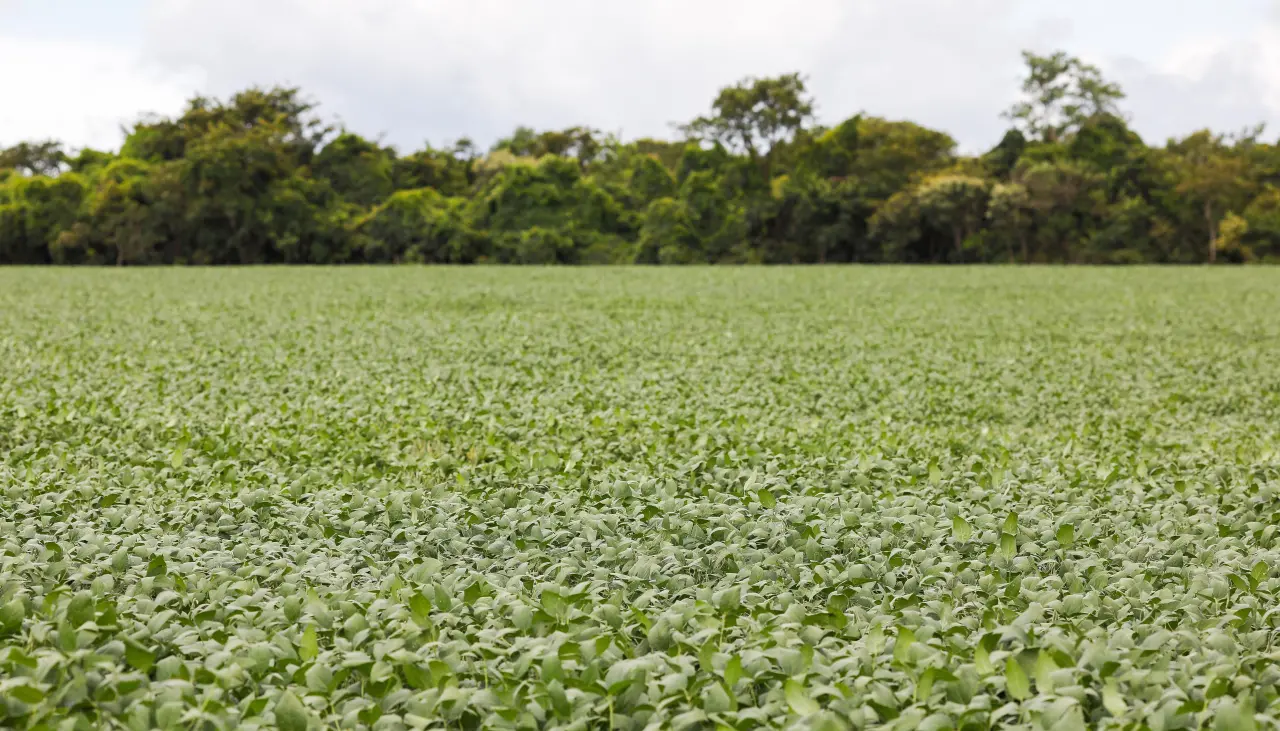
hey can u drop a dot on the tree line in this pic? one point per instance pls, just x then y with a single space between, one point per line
262 178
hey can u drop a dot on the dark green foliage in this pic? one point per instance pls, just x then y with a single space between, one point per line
261 178
418 226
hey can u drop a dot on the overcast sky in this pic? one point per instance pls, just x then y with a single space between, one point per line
417 70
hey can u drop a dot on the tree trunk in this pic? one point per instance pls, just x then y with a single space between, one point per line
1026 252
957 234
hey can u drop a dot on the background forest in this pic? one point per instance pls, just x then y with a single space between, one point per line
263 178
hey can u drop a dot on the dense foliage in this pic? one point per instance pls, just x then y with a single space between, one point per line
684 498
261 178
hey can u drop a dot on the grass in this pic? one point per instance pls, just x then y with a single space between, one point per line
629 498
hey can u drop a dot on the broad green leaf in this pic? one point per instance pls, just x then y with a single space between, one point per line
1010 526
798 698
417 678
11 615
982 660
1066 535
1236 716
420 606
1112 700
139 657
81 609
157 566
21 690
715 699
961 529
1044 668
902 645
733 671
1260 572
1008 545
924 686
308 646
290 714
1016 681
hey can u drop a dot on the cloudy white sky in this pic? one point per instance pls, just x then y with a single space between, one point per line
416 70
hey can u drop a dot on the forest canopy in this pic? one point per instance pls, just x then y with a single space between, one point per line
262 177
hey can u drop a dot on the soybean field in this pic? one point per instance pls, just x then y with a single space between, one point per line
632 498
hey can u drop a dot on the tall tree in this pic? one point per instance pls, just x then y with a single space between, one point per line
1214 176
755 115
1009 214
955 204
35 158
1060 92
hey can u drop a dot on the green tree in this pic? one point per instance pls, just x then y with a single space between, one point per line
893 154
1262 225
35 158
755 115
1001 159
34 212
1065 197
552 195
1212 175
123 223
360 171
1009 216
418 226
956 204
1059 93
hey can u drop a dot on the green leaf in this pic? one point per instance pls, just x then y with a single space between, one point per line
1044 668
1112 700
417 678
157 566
1016 681
80 610
1235 716
961 529
766 498
982 660
139 657
308 646
902 646
420 606
290 714
924 686
1010 525
472 593
1066 535
11 615
1008 545
715 699
733 671
798 698
1260 572
559 699
20 690
1218 687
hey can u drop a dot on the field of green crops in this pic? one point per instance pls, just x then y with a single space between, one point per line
633 498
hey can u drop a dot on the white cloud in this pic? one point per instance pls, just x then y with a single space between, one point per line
1222 83
418 70
79 92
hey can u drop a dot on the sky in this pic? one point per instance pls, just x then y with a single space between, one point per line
415 71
